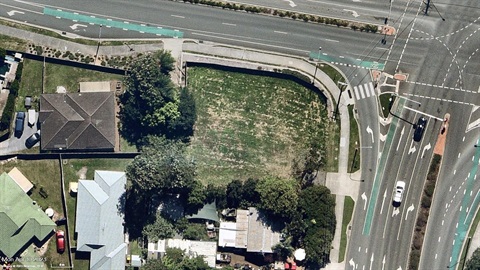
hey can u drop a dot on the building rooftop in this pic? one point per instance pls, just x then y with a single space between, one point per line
20 179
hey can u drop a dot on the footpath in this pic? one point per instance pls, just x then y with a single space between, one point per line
339 183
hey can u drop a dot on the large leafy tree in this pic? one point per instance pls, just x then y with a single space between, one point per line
234 193
278 197
182 126
474 262
317 247
162 167
160 229
150 101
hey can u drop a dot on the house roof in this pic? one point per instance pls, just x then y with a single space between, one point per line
77 121
22 220
99 220
192 248
208 212
20 179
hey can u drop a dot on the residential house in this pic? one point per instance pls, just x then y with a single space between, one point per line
99 220
22 220
250 231
191 248
78 121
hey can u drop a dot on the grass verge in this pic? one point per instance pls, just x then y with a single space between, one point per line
353 158
385 103
252 126
348 206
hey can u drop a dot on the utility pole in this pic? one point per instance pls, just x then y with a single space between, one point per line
427 7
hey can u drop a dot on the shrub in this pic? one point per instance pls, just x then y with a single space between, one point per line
7 113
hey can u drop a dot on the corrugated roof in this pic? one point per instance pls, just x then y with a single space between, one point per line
99 223
21 219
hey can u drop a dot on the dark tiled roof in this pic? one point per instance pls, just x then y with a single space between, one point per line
78 121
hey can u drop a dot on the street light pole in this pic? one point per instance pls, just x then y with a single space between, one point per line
98 45
343 86
316 65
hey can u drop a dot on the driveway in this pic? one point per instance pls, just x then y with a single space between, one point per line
14 144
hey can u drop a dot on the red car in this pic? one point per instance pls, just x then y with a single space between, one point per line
60 241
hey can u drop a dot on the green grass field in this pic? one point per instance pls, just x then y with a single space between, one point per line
251 126
348 206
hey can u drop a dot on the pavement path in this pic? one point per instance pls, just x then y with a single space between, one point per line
339 183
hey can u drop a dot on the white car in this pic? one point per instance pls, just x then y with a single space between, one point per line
397 196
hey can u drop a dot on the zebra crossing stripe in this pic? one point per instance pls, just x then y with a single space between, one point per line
356 92
360 87
372 89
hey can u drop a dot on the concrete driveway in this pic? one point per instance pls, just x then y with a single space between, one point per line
14 144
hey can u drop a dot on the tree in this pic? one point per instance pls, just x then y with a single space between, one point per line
3 52
182 126
234 193
175 259
318 206
250 195
153 264
474 262
278 197
160 229
150 102
196 196
163 167
216 194
195 231
317 247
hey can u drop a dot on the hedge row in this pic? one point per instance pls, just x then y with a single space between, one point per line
286 14
9 109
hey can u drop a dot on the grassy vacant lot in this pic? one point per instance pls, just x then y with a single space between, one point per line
55 75
251 126
12 43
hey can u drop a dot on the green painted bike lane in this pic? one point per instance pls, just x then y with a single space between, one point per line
343 61
111 23
464 219
379 173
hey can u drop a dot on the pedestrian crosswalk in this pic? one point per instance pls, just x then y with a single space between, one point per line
364 90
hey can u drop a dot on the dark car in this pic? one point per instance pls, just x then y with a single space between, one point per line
32 140
60 241
419 129
19 124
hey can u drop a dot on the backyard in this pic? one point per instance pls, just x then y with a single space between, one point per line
252 126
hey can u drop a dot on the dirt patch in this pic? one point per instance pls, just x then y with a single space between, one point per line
82 173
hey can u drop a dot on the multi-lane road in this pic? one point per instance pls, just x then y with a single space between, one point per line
442 62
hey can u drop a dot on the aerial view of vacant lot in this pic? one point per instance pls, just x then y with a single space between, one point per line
251 126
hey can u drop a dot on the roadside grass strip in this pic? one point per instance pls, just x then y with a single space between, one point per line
111 23
465 219
380 170
343 62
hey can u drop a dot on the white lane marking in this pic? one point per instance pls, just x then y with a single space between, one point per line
332 40
372 89
12 12
229 24
178 16
355 89
459 154
280 32
360 87
364 197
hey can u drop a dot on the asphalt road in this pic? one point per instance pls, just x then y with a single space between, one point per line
442 63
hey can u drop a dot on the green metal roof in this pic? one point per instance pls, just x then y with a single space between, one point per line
208 212
21 219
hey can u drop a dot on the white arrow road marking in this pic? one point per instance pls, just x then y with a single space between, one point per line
75 26
395 212
412 149
371 262
291 3
352 263
401 135
370 131
383 202
426 148
354 13
12 12
399 268
383 262
409 209
364 197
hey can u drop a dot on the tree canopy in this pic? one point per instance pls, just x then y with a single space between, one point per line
160 229
474 262
151 105
278 197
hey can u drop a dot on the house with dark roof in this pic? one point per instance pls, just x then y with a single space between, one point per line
22 221
78 121
99 220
